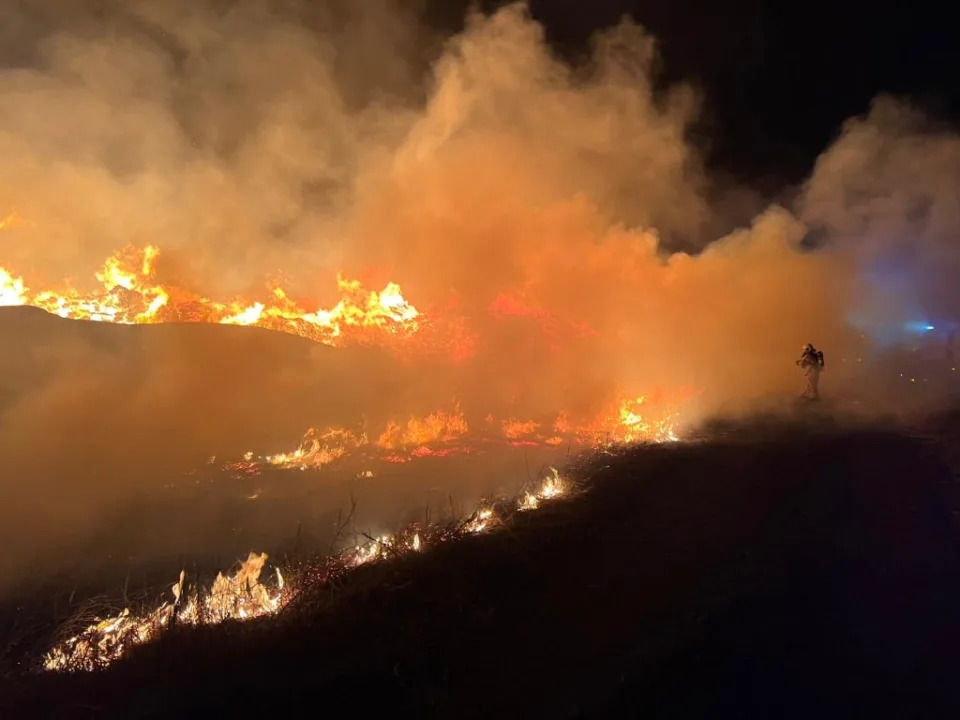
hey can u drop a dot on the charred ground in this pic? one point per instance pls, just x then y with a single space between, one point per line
772 569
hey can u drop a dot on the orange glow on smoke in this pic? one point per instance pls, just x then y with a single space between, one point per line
130 293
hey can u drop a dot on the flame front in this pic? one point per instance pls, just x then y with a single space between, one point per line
242 596
443 433
130 294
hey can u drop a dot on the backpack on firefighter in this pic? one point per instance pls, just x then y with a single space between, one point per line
811 357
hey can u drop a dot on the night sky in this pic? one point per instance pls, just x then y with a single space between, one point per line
779 78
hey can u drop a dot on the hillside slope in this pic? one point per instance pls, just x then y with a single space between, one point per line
790 575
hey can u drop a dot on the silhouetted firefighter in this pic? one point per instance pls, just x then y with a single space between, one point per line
812 364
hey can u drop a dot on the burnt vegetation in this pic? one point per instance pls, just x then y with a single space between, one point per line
770 569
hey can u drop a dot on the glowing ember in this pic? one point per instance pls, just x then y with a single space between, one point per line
373 550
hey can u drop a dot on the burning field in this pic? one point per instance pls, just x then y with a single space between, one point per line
242 595
329 462
322 266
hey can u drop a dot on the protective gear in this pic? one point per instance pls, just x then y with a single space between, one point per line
812 364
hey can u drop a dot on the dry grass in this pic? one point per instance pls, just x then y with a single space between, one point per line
644 594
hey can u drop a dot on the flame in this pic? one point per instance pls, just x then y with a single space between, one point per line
437 427
529 502
247 316
240 596
514 428
445 433
481 520
130 294
318 448
359 312
12 289
553 486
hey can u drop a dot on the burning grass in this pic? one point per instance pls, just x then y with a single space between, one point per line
240 596
91 645
130 293
639 592
443 433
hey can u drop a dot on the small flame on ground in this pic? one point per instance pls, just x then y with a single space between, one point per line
481 520
552 487
443 433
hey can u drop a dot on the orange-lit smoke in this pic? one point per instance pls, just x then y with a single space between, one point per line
524 207
500 203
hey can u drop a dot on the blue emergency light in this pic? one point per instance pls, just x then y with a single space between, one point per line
919 327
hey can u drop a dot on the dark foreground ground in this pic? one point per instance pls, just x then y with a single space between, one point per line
770 572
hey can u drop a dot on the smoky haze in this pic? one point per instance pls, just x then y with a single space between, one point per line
254 139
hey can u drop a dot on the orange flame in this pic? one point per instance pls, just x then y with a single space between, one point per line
130 294
12 289
438 427
242 596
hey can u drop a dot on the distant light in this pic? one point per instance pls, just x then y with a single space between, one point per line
918 327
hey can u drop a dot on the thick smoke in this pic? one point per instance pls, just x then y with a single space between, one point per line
886 191
554 185
229 134
491 179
